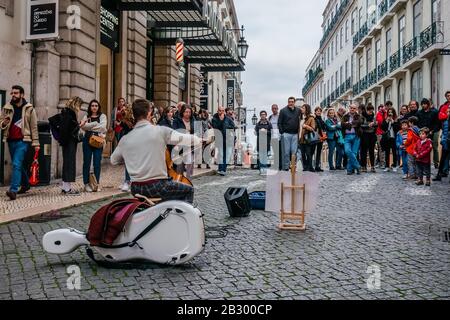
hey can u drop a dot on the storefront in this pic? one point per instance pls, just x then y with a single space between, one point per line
2 147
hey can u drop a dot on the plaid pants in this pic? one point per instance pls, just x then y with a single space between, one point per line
166 190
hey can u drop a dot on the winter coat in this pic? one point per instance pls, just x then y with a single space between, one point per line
334 130
445 139
413 137
366 121
429 120
69 126
29 123
381 116
443 111
310 121
289 121
346 125
422 151
395 126
178 124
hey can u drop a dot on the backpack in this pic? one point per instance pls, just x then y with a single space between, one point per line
55 126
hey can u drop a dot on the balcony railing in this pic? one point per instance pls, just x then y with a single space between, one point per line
394 62
313 75
372 78
348 84
334 22
383 70
410 50
432 35
373 20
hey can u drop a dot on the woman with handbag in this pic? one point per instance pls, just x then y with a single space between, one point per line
70 136
321 130
308 137
94 125
335 140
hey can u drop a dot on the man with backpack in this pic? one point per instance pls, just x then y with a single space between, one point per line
18 121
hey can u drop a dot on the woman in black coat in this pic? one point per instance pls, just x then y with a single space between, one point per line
69 140
321 129
185 123
390 128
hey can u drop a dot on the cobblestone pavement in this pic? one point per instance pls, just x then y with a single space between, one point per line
49 198
360 224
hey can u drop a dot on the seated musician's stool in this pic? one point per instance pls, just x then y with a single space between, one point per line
238 202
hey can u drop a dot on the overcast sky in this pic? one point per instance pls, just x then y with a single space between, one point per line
283 36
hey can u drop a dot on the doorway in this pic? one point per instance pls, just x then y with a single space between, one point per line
106 85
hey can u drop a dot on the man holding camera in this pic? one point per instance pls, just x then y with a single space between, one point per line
18 120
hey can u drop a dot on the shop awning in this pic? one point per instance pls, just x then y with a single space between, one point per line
205 37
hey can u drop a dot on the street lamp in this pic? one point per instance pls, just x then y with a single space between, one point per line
242 43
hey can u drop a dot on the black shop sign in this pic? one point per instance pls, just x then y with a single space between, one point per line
109 27
231 93
42 17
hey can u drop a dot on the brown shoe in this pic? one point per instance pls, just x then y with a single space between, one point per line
419 183
428 184
12 195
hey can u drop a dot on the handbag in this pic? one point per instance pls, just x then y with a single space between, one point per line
96 142
312 137
78 135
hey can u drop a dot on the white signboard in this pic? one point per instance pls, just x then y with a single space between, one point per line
273 191
42 19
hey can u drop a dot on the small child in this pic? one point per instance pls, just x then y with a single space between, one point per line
422 153
402 137
410 144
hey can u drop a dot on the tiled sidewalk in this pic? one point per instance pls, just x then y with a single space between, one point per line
47 199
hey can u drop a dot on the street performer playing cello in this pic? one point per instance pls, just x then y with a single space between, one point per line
143 151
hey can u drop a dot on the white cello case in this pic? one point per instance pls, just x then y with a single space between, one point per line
176 240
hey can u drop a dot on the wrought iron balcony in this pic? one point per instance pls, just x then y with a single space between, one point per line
383 7
348 84
363 31
356 89
312 77
432 35
335 21
372 78
410 50
383 70
394 61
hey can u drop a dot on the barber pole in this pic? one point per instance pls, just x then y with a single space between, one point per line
180 51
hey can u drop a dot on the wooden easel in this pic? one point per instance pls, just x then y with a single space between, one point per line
292 215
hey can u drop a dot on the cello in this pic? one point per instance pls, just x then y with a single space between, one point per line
172 173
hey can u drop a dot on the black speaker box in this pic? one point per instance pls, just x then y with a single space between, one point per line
238 202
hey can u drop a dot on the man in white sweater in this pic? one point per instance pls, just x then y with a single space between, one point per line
143 152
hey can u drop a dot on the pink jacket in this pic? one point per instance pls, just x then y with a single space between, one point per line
422 151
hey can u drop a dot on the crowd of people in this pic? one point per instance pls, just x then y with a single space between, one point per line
362 139
359 140
18 121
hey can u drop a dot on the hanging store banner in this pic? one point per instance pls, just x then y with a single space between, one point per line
42 20
231 93
204 89
109 26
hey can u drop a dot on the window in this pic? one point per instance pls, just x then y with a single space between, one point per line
342 37
332 83
361 17
369 60
387 94
346 31
436 82
328 55
328 88
417 85
418 18
353 24
341 81
360 69
377 53
337 41
388 46
401 93
346 70
401 35
436 10
377 100
337 80
332 50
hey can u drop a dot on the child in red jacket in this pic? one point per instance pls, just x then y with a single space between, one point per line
422 153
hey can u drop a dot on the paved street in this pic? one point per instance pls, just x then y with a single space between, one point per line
360 222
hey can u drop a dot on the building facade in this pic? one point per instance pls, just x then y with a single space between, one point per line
375 51
109 49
